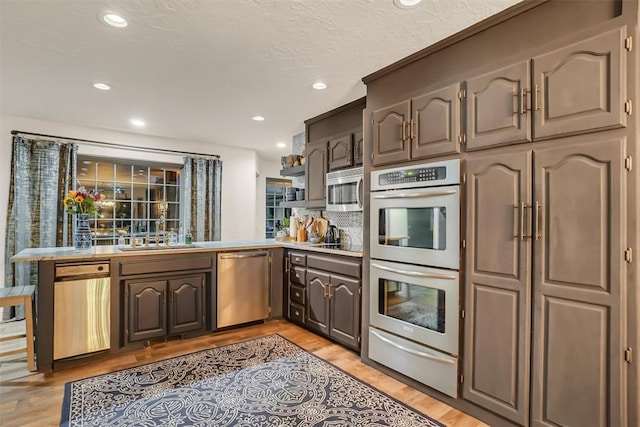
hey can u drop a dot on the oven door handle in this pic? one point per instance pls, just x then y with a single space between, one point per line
358 186
415 273
415 195
411 351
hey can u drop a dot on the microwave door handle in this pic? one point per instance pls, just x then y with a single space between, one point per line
415 195
411 351
414 273
358 187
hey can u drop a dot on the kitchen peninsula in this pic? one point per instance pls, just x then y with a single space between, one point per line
144 294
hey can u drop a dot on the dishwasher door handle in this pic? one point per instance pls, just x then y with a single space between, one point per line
243 255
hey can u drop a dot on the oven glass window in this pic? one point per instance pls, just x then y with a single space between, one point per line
415 304
423 228
343 194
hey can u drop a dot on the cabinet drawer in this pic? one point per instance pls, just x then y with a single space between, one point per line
165 264
296 294
335 265
296 313
297 275
298 258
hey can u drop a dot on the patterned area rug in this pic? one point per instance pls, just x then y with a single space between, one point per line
268 381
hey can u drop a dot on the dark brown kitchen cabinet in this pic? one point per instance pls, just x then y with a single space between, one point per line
341 152
498 284
496 108
435 124
318 301
295 280
581 87
422 127
146 310
390 140
358 148
344 310
315 178
566 204
156 308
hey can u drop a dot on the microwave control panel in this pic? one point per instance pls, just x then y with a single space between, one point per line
446 172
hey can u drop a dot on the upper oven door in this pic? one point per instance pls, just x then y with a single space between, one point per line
418 226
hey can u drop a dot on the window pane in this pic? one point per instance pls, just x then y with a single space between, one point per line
157 175
123 172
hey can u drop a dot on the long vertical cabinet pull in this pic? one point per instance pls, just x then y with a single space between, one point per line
404 131
521 209
536 230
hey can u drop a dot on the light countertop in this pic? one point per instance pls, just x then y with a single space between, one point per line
98 252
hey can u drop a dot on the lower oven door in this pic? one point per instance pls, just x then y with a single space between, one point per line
418 303
425 365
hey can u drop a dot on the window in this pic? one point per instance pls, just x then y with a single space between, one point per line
275 214
135 197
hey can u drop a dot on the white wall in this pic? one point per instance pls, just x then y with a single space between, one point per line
239 194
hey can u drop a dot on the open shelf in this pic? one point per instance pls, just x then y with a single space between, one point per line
294 171
294 204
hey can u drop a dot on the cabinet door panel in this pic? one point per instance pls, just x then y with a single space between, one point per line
341 152
498 291
345 311
146 310
437 123
315 178
579 284
581 86
318 301
495 114
358 148
185 304
390 140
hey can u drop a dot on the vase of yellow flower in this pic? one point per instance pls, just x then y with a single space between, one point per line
82 204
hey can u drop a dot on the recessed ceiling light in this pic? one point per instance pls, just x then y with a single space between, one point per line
112 19
257 118
86 162
319 86
137 122
281 145
406 4
102 86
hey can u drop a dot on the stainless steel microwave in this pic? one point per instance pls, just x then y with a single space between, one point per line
345 190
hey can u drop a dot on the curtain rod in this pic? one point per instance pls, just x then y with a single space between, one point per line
113 144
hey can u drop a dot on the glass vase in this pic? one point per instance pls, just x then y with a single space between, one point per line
82 233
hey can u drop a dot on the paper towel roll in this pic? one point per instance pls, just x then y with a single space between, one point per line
293 229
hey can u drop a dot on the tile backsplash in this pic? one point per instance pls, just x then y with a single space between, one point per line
349 223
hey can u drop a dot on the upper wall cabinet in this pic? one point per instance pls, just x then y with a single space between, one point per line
581 87
316 168
341 152
358 148
497 113
422 127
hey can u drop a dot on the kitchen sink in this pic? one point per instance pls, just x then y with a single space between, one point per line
156 248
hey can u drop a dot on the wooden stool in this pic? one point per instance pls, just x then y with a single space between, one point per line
21 295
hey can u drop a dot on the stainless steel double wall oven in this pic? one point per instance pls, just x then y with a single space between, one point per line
414 272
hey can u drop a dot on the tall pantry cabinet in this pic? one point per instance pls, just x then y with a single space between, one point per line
545 268
539 107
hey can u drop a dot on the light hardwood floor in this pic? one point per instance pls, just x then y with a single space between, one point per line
36 399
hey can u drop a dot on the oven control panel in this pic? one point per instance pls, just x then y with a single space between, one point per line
446 172
413 175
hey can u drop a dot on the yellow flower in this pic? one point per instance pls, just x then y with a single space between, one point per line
79 199
67 201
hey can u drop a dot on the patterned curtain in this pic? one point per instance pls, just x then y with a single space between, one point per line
202 187
42 173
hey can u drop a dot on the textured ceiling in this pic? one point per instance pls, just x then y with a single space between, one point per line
200 69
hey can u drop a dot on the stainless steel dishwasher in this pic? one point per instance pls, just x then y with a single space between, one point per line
243 287
82 309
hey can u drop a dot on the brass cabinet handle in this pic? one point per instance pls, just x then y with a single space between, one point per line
523 235
325 293
535 98
523 108
413 129
297 313
404 131
537 231
297 276
330 286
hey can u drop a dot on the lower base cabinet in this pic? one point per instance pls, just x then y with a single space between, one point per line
326 295
155 308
